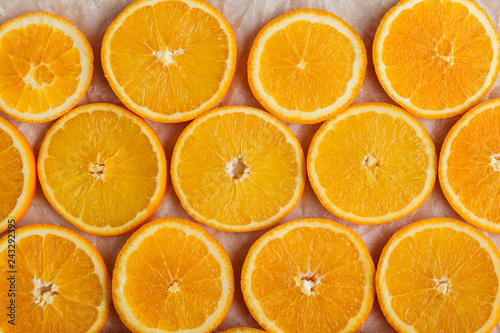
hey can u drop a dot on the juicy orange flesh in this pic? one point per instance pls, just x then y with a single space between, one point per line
55 260
101 168
39 68
421 262
11 175
371 164
474 165
173 52
437 54
312 58
172 281
325 257
211 190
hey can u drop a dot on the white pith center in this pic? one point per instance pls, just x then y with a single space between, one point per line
495 162
167 57
307 282
97 170
44 293
174 287
302 64
442 285
370 161
39 76
237 169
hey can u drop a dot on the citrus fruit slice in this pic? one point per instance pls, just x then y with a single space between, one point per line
436 58
172 276
372 164
46 66
60 281
243 330
469 167
17 174
169 60
439 275
238 169
309 275
306 65
103 169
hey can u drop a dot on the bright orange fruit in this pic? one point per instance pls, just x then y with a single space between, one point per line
46 66
306 65
168 60
61 281
436 58
17 174
439 275
469 166
172 276
309 275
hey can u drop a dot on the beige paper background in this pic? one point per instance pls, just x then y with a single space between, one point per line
246 18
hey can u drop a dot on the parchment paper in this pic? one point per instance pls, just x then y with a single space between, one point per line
246 19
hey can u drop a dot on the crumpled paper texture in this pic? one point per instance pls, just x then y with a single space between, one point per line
92 17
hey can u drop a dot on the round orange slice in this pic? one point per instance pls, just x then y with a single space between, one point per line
238 169
46 66
469 166
436 58
60 282
372 164
439 275
243 330
169 60
172 276
306 65
103 169
309 275
17 174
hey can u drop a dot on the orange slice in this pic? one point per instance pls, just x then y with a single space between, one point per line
17 174
238 169
243 330
309 275
436 58
469 167
61 282
306 65
46 66
103 169
172 276
372 164
439 275
169 60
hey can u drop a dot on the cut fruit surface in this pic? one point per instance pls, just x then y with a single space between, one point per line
103 169
306 65
372 164
172 276
243 330
46 66
436 58
469 167
17 174
238 169
169 60
439 275
309 275
61 281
